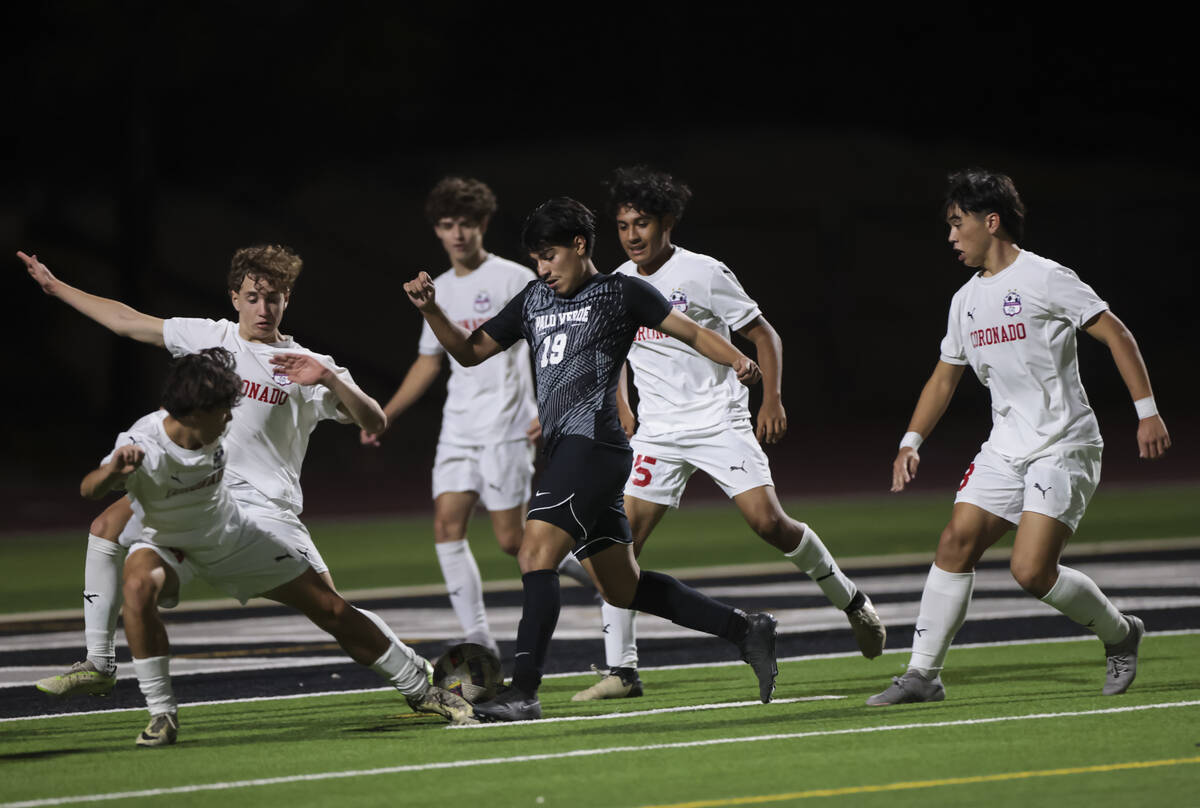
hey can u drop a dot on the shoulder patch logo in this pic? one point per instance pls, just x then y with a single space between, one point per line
1012 303
482 301
280 379
678 300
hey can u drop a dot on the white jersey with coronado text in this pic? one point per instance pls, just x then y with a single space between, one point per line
1016 329
678 389
178 493
491 402
268 436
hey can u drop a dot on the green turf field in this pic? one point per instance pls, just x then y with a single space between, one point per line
45 571
1023 725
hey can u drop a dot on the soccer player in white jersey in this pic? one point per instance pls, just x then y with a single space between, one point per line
172 464
1014 322
485 450
693 414
268 438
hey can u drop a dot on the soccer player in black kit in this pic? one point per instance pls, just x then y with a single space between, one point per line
580 325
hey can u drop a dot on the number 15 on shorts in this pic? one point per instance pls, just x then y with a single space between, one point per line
641 475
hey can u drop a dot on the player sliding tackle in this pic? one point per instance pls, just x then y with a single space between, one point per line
580 325
172 464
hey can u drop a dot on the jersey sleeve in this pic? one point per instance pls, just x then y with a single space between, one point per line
729 301
953 351
324 399
508 326
428 344
1070 298
151 462
646 304
185 335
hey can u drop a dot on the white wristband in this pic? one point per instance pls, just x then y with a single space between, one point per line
1145 407
912 439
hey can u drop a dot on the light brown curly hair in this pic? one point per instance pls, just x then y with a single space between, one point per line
274 264
460 196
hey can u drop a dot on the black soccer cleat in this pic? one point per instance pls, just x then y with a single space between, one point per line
510 704
758 649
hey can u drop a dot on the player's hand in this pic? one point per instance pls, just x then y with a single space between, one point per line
421 292
368 438
628 421
1153 440
38 271
904 468
772 422
301 368
534 431
747 371
126 460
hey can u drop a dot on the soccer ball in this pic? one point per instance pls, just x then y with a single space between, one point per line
469 670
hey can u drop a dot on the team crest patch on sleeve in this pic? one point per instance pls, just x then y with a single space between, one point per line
482 302
679 300
1012 303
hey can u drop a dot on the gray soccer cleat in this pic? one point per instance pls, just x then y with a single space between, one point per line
758 649
1122 658
510 704
618 683
867 627
161 731
83 679
910 688
450 706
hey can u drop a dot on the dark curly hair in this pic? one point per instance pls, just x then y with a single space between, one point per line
556 222
460 196
647 190
200 382
977 190
274 264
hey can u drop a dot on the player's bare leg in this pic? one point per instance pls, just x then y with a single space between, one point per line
1036 552
944 602
148 578
96 675
800 544
451 516
367 645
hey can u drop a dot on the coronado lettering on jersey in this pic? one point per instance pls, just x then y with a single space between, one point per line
211 479
997 334
263 392
545 321
645 333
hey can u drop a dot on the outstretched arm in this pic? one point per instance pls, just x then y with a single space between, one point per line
1152 436
305 369
112 314
421 374
931 406
125 461
768 351
467 348
711 345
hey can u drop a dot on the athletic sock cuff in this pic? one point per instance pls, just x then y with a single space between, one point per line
96 544
449 548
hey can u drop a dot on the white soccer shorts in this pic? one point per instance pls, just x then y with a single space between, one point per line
499 473
729 454
1059 484
280 522
256 562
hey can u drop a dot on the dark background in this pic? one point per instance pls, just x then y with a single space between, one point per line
144 144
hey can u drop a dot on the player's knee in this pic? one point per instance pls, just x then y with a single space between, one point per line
955 549
1035 579
510 543
769 524
104 528
447 529
139 589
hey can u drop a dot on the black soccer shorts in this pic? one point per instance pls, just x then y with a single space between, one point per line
581 490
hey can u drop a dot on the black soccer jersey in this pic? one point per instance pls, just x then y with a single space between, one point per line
578 346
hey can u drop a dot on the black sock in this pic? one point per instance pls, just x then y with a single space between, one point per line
539 616
666 597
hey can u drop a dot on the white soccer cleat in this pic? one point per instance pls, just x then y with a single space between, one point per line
1122 658
867 627
618 683
450 706
162 730
83 679
910 688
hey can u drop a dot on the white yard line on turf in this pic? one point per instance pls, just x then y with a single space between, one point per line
659 711
577 753
689 666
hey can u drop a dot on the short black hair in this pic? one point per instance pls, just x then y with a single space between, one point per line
647 190
556 222
977 190
200 382
460 196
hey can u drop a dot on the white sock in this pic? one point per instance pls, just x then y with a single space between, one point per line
571 568
154 679
943 608
465 587
817 563
102 600
1077 596
403 668
620 636
384 627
